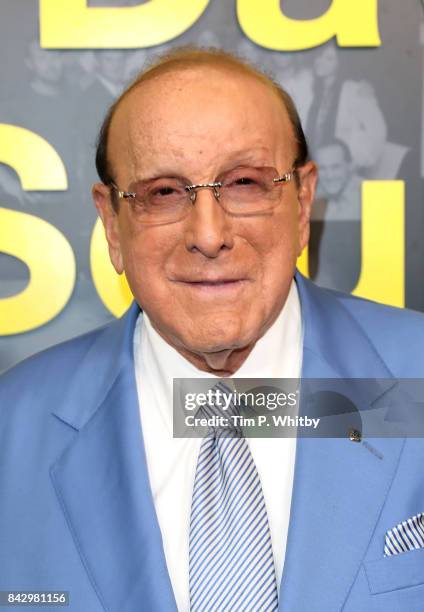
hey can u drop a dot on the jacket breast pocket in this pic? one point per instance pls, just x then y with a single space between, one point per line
395 572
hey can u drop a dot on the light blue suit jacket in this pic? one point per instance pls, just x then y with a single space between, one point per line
76 510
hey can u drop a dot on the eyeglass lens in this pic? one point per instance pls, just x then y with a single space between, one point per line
243 190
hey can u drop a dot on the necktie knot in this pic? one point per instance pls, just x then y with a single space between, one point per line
222 413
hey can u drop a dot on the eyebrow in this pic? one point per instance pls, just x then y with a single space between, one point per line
160 175
246 156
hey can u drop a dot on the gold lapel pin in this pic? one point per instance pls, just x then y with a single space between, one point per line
355 435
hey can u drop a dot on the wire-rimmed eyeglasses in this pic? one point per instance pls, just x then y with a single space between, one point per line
245 190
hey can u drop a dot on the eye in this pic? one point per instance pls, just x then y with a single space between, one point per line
244 180
243 177
165 188
163 191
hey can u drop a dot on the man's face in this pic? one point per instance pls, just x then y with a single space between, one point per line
334 169
212 281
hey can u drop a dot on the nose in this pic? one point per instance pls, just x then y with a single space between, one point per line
208 227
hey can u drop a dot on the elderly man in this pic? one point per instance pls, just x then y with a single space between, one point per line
206 193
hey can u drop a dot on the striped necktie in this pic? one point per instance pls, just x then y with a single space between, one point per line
231 563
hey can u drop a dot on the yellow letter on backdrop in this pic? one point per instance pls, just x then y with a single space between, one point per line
382 276
71 24
353 22
33 159
37 243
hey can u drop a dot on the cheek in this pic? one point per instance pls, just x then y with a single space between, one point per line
281 243
276 247
280 261
144 255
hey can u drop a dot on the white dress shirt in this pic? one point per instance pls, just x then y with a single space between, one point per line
172 461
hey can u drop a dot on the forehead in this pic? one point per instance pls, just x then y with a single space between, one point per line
199 116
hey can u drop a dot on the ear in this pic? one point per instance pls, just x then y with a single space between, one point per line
102 199
308 175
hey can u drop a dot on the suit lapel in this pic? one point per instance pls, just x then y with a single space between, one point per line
102 480
339 485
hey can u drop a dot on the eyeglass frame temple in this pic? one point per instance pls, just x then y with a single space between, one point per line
286 178
122 194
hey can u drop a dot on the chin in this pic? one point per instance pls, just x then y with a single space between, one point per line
218 334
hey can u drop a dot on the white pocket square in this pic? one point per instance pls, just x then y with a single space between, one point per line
406 536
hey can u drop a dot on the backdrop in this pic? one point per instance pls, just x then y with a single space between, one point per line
354 70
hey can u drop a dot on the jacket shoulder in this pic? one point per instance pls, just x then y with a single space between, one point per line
381 315
48 371
396 333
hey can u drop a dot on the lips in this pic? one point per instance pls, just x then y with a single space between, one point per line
213 283
224 287
220 281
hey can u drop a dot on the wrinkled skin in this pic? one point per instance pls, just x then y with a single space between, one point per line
196 123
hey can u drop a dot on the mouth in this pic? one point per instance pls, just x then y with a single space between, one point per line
214 282
221 286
